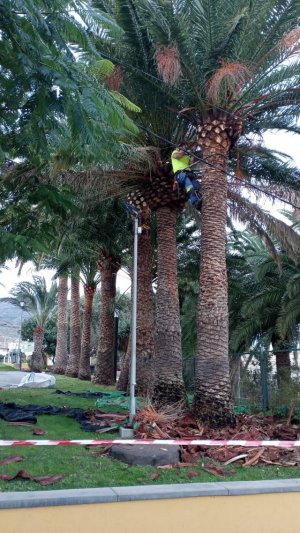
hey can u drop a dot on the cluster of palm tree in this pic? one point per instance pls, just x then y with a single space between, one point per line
214 74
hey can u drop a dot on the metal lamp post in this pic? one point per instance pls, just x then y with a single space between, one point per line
22 305
116 331
137 230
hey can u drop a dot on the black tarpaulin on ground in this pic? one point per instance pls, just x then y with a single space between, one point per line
11 412
83 394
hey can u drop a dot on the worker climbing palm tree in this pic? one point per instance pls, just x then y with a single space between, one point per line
184 176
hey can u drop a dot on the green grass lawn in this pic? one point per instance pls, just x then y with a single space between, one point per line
6 368
77 464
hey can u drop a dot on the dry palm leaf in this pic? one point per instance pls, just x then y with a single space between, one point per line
162 416
168 63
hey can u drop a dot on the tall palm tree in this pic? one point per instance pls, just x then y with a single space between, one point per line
104 371
188 61
40 304
145 311
61 352
228 69
90 281
107 224
75 332
168 386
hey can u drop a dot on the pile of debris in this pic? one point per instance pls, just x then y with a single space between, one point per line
172 423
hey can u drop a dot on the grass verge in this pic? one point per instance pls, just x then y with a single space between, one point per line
77 464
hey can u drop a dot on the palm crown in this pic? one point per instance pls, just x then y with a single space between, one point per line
39 302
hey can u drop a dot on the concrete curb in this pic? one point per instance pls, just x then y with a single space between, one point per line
48 498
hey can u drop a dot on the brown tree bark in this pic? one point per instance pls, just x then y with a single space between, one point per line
37 361
168 379
212 399
123 383
61 352
145 316
75 334
283 362
104 371
283 367
84 366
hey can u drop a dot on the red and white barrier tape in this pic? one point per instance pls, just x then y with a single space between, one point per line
161 442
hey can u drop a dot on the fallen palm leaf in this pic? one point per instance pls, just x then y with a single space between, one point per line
214 470
107 429
105 451
274 463
47 480
38 431
154 476
23 474
162 416
161 433
20 423
255 458
193 473
11 459
236 458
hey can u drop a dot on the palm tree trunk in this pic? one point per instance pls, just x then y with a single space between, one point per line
145 318
168 380
37 362
283 367
123 383
283 362
104 372
84 367
61 352
75 335
212 400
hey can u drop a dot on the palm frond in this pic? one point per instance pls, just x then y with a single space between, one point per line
256 218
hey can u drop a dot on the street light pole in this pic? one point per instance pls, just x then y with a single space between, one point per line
22 304
116 328
136 214
133 324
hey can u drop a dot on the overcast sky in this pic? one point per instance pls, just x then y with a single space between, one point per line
286 143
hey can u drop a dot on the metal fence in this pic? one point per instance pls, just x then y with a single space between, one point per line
260 380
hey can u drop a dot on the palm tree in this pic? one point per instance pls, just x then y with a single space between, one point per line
108 232
260 305
104 371
228 69
75 333
61 352
40 304
90 281
148 175
145 311
168 386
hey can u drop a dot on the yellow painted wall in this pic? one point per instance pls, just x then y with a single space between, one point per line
264 513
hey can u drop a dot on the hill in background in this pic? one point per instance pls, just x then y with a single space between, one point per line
10 317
